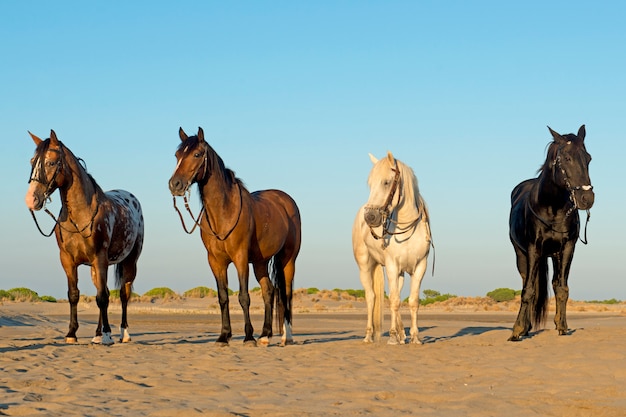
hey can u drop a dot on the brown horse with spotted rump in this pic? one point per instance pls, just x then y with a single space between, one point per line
93 228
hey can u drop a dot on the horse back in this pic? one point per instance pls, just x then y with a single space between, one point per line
517 217
277 222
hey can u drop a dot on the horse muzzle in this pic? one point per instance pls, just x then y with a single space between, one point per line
177 187
373 217
34 200
584 197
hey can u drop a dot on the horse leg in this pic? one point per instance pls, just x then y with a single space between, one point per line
561 265
73 295
126 271
99 278
221 279
522 323
414 300
528 269
393 277
366 277
267 289
243 271
289 270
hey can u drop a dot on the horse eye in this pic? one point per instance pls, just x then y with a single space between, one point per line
197 155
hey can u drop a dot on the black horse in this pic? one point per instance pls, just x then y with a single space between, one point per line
544 223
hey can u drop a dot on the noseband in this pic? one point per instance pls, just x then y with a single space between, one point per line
386 215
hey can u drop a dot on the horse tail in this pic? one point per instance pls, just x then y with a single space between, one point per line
541 291
283 309
119 276
379 301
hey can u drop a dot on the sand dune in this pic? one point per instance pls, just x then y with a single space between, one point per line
172 367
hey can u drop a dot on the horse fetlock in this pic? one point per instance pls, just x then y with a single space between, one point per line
124 335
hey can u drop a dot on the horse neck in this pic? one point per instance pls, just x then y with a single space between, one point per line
410 205
221 197
550 195
80 194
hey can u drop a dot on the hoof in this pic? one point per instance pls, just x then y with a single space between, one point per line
249 343
71 340
563 332
220 343
514 338
124 335
287 342
97 340
107 340
416 341
264 341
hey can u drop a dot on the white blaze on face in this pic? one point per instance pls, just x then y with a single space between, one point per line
32 186
30 195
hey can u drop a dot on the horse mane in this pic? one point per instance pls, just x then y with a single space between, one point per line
44 146
553 148
215 162
410 188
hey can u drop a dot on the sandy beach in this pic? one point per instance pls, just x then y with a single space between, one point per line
465 366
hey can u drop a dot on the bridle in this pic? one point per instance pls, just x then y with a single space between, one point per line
556 164
383 210
50 188
196 220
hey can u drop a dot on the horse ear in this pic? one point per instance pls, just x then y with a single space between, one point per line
53 138
36 139
581 133
182 134
200 134
391 159
373 159
556 136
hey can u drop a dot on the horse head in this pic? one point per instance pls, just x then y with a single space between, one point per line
47 170
192 162
569 164
384 182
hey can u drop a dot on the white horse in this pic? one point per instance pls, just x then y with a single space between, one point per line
392 230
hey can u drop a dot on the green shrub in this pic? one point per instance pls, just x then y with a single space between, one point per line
200 292
435 298
312 290
611 301
48 299
502 294
4 295
160 292
431 293
23 294
356 293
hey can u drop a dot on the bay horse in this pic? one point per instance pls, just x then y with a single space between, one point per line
392 230
240 227
93 228
544 223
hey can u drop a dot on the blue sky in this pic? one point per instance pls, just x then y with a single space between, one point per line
293 95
